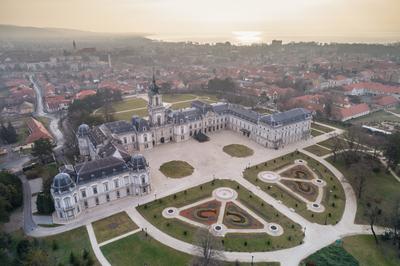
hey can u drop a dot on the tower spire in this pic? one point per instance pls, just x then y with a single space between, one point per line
154 77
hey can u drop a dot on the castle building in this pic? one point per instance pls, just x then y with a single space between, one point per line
166 125
110 172
92 183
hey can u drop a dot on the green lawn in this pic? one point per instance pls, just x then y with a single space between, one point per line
177 106
364 249
321 128
380 187
333 255
176 169
172 98
71 241
139 250
317 150
113 226
329 143
128 115
375 117
128 104
237 150
333 200
232 242
315 133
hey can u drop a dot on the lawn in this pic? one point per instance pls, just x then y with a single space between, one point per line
315 133
292 236
128 115
71 241
139 249
321 128
113 226
177 106
176 169
128 104
172 98
44 171
318 150
237 150
380 187
329 143
333 255
364 249
333 200
375 117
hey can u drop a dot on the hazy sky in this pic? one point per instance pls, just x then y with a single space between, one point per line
283 17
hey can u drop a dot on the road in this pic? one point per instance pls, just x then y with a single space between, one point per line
54 120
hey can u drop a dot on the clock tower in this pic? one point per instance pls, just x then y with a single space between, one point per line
155 107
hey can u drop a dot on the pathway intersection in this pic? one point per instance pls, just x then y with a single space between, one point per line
212 163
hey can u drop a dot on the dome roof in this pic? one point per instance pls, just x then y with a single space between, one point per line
62 182
83 130
138 162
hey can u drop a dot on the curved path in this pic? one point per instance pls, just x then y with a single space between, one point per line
291 256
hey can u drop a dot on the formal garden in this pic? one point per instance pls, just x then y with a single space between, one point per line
176 169
301 195
264 228
238 150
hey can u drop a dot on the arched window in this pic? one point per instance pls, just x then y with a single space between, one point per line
67 202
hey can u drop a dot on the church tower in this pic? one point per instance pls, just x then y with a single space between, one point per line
155 107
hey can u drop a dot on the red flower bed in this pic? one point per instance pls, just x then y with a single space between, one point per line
206 213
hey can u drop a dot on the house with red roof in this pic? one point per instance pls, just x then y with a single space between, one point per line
84 93
36 131
354 111
386 102
371 88
56 103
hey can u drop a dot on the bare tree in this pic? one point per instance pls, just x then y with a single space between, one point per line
361 171
209 249
373 212
337 146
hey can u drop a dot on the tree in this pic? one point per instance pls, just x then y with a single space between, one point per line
44 203
209 249
42 148
392 150
8 134
36 257
373 212
361 171
336 146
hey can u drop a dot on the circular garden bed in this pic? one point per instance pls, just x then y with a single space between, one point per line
237 150
176 169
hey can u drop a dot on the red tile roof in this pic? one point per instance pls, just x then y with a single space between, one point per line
387 100
353 110
37 131
84 93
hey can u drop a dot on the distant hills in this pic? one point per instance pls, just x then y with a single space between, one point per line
12 32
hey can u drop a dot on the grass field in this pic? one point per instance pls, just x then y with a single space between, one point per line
237 150
139 250
364 249
128 115
321 128
71 241
177 106
317 150
329 143
315 133
172 98
176 169
113 226
333 200
380 187
333 255
128 104
232 242
376 117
